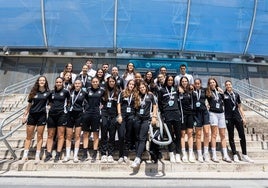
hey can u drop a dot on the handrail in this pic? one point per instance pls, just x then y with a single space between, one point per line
12 117
258 89
249 101
252 92
23 85
252 89
10 88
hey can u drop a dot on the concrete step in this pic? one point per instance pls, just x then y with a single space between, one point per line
146 166
5 154
17 141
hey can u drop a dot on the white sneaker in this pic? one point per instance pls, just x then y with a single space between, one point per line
178 158
172 157
110 159
215 159
200 158
247 159
206 157
136 163
191 158
120 160
76 160
227 159
104 159
184 157
37 160
125 159
66 159
236 159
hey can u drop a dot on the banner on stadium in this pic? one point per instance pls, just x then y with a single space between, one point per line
155 65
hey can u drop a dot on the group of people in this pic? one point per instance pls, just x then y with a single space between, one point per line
85 103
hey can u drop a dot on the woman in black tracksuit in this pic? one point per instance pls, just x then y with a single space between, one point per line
235 118
126 117
67 81
101 77
186 105
145 114
59 100
35 116
74 126
169 108
85 78
109 122
201 120
92 118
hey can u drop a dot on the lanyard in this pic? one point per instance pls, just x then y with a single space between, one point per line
232 96
74 99
198 94
142 102
111 95
66 85
216 96
84 80
129 99
170 93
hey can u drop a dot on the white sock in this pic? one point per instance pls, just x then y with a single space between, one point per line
190 151
183 151
68 151
199 152
76 152
224 151
213 152
205 149
25 153
37 154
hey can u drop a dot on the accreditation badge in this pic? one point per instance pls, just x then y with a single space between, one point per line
128 109
109 104
170 103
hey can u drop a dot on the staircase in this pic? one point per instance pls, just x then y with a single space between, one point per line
257 145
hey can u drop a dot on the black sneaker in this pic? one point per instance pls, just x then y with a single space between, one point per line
154 158
57 157
84 156
48 157
94 156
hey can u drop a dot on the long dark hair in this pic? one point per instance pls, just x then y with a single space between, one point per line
100 78
62 79
35 88
108 89
187 89
166 80
127 70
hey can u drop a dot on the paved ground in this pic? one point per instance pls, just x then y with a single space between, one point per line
131 174
119 182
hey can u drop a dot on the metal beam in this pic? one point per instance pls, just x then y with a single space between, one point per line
44 23
251 26
186 24
115 24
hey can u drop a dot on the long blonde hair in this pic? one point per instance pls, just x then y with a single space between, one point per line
208 90
127 92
